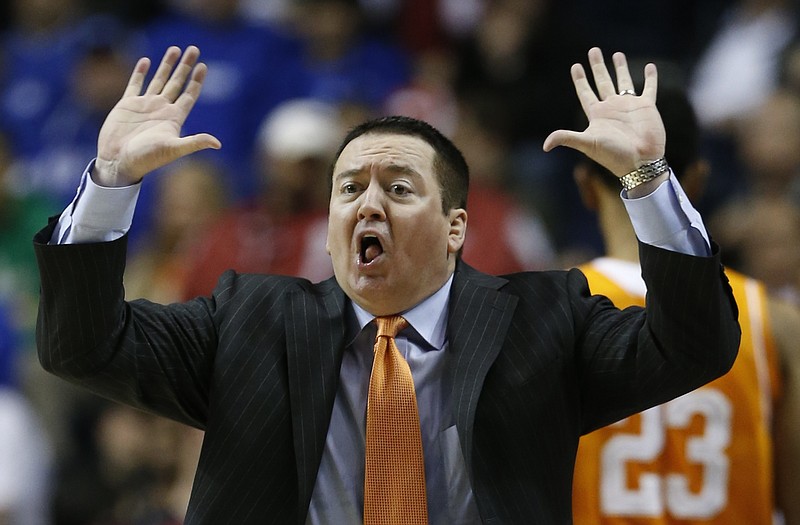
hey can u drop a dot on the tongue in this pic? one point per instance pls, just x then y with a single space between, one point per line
371 252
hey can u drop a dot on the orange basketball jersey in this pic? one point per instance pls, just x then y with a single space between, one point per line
705 457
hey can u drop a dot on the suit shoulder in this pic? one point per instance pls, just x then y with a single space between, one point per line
550 286
560 278
232 284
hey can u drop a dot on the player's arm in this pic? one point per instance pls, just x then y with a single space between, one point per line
785 319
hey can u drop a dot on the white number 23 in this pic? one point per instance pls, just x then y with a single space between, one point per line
656 493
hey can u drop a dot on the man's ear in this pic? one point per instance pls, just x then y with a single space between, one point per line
586 188
458 229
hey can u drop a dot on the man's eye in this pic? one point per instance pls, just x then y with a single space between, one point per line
398 189
349 188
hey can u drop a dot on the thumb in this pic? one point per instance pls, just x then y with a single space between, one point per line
562 137
191 143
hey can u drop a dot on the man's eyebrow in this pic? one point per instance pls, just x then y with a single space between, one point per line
394 168
402 168
347 174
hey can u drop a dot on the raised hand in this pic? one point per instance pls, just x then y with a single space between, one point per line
625 130
142 132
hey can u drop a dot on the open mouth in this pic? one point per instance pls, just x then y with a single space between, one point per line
370 249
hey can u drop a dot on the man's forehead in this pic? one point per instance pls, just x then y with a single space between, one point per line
386 151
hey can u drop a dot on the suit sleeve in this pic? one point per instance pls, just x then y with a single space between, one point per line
151 356
687 336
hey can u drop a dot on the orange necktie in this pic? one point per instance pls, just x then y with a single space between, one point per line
394 480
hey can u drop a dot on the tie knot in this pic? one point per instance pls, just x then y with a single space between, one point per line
390 325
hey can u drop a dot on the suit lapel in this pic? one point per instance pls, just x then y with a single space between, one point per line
315 331
478 321
479 318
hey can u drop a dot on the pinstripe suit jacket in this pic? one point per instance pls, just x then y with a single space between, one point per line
534 362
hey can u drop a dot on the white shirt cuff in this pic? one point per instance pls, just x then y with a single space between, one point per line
98 213
666 219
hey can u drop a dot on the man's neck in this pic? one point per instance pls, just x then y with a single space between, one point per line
429 317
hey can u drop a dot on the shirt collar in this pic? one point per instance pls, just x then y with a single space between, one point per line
428 318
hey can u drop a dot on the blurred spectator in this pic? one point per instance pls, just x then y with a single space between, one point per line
131 469
25 455
767 141
759 227
740 67
513 66
19 216
37 53
512 69
190 197
760 236
182 452
268 12
68 136
428 25
429 94
283 229
503 236
735 74
248 67
643 29
341 63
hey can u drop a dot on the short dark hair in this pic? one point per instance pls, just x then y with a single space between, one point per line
683 135
451 169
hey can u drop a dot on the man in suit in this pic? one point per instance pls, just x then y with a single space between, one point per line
508 371
723 453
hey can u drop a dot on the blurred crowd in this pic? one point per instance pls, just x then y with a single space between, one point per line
286 79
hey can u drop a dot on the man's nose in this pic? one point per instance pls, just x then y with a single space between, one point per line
371 206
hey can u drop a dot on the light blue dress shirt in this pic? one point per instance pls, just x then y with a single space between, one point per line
339 491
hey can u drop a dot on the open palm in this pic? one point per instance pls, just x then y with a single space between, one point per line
624 130
142 132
